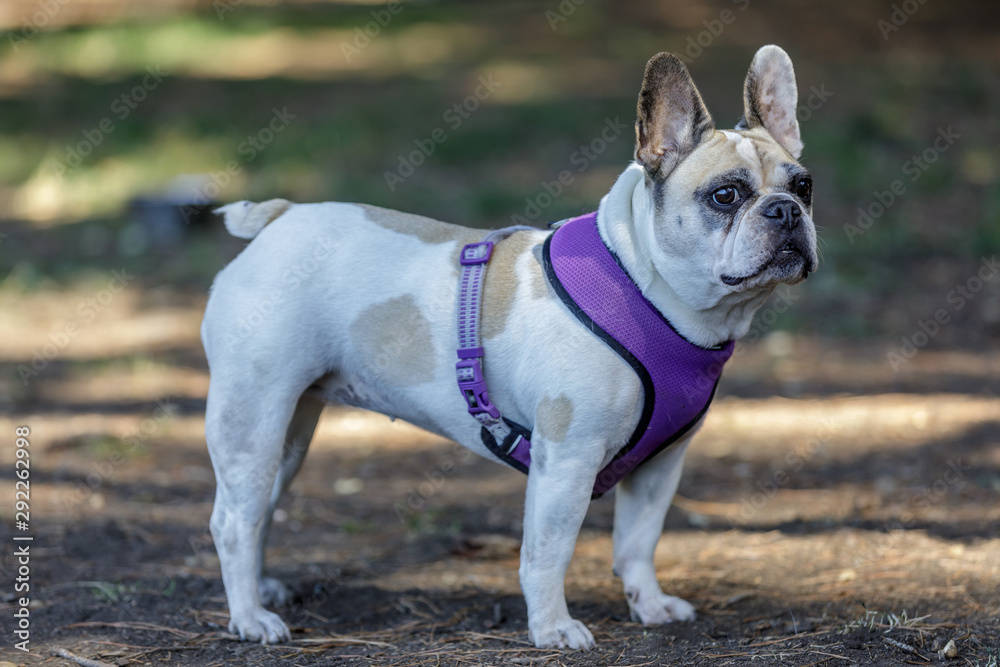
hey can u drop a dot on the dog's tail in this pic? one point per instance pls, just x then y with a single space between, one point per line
245 219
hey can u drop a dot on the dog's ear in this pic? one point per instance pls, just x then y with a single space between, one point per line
671 117
770 98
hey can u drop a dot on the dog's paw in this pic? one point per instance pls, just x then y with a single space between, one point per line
262 626
568 633
660 608
273 593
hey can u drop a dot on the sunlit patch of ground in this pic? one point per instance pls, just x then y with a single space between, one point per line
99 320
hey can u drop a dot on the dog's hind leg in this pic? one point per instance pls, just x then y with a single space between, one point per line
246 431
298 436
641 503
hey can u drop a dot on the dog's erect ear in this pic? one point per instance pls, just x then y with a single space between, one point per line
770 98
671 117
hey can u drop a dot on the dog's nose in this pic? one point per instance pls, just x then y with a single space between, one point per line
785 212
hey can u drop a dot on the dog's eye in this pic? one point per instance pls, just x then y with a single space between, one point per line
726 196
803 189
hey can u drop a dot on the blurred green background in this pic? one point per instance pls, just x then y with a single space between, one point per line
184 85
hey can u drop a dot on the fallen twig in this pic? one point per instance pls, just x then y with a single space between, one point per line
831 655
83 662
135 625
333 640
903 647
788 639
480 635
140 651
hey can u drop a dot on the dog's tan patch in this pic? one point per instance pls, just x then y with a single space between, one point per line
427 230
729 149
539 284
771 155
554 417
394 339
501 283
716 154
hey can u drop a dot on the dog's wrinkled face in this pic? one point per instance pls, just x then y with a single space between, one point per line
733 208
748 205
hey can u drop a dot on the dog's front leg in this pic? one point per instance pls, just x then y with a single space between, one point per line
559 489
641 503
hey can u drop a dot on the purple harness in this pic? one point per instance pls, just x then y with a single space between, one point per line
678 377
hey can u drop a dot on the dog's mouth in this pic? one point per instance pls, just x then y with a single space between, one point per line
788 262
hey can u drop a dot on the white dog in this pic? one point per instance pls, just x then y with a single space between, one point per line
357 305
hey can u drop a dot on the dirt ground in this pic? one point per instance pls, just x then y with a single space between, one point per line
814 525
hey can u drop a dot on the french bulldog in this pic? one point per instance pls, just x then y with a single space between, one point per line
356 305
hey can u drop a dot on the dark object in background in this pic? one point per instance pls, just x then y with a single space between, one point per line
162 214
162 221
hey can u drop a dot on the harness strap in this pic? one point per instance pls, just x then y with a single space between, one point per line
678 378
500 435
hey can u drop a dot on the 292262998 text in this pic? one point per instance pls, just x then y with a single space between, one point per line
22 539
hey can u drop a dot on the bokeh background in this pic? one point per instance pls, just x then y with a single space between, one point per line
849 473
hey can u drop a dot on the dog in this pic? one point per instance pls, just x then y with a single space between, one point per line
354 304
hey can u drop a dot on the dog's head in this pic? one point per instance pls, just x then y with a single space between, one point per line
732 209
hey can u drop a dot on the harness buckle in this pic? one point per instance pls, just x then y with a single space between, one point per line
476 253
473 386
